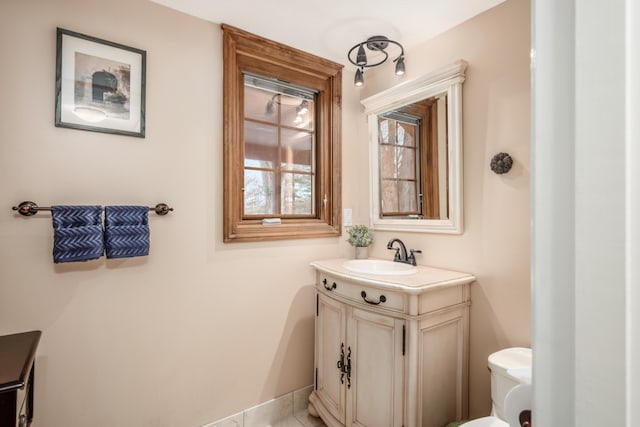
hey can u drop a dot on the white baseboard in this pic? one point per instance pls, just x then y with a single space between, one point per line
273 411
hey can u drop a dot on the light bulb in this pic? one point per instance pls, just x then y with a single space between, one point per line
400 66
304 107
359 79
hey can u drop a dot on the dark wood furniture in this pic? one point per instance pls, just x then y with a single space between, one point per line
17 360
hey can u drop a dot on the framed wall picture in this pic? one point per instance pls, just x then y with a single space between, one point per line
100 85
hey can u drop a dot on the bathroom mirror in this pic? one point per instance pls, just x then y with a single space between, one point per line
415 151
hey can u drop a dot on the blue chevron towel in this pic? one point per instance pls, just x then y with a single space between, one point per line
77 233
126 231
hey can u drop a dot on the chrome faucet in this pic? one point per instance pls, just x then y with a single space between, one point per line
401 252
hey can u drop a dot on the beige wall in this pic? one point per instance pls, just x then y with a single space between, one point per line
200 329
495 245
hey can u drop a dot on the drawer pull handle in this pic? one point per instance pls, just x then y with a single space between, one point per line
363 294
327 287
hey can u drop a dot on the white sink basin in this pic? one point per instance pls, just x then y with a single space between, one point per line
379 267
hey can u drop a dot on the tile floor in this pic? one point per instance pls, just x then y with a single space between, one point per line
289 410
300 419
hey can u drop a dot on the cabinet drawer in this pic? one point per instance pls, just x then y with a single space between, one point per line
442 298
364 296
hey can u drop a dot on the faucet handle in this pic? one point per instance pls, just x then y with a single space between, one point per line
412 257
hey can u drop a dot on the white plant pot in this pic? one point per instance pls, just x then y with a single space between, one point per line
362 252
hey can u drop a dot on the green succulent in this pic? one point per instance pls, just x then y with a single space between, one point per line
359 236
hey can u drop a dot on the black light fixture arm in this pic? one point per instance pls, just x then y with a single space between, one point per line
377 44
374 44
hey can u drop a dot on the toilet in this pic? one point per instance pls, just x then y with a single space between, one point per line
510 370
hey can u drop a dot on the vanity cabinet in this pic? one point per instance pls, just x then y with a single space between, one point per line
390 351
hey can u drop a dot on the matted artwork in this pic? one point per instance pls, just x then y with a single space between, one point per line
100 85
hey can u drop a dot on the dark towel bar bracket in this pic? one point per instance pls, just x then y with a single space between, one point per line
30 208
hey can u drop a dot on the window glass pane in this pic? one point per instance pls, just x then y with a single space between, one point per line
297 194
388 162
383 132
406 134
297 112
392 132
260 145
406 163
297 151
259 197
388 196
260 104
407 197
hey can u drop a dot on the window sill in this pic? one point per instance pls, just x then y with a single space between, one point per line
288 229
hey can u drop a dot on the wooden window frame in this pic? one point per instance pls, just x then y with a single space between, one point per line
247 53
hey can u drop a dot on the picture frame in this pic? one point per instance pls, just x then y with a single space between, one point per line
100 85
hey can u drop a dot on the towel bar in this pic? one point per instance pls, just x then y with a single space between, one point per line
30 208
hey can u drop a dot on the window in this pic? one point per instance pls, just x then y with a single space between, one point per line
281 141
412 154
400 193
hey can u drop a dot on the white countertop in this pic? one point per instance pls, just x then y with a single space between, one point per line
426 278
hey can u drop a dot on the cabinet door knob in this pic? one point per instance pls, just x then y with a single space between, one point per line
382 298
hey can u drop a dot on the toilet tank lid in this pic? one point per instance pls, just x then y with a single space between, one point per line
514 362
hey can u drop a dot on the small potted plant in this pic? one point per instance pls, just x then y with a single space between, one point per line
360 237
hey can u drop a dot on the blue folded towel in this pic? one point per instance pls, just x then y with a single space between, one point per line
126 231
77 233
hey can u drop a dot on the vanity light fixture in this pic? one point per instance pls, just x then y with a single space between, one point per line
374 44
269 108
301 109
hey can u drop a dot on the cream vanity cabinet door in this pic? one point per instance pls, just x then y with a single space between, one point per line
375 396
330 348
359 365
